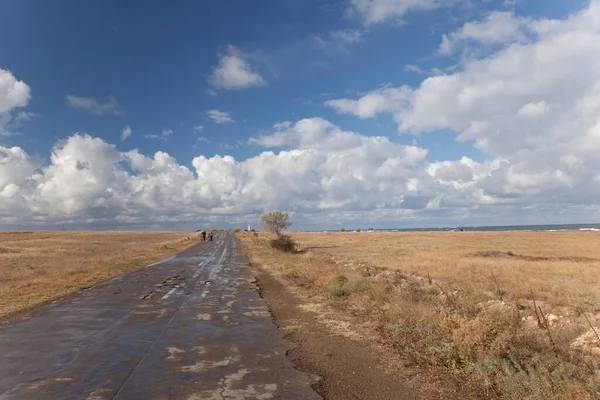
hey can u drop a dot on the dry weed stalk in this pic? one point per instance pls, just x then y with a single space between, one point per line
592 326
547 328
518 312
539 321
451 299
498 291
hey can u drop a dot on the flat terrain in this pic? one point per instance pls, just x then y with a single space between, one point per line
191 326
559 267
512 315
36 267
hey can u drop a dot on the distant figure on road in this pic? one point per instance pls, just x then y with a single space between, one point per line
210 236
203 236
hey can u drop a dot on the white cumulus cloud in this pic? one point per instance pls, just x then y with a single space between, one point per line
532 107
234 72
386 99
323 168
14 94
319 171
498 27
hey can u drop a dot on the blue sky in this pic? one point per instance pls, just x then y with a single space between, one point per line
160 67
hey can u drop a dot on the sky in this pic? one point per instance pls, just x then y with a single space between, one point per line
346 113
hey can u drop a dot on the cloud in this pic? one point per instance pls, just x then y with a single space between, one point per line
202 139
279 126
211 92
14 94
375 11
338 41
11 122
386 99
164 135
94 106
15 166
347 35
234 72
198 128
499 27
88 181
219 117
531 107
418 70
26 116
125 133
322 173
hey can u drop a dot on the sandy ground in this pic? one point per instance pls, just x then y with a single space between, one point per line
37 267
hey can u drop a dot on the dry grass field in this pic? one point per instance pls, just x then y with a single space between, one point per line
36 267
512 314
562 268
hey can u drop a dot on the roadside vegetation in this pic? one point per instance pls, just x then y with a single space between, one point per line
37 267
275 222
514 315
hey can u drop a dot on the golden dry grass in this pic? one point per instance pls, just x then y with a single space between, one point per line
460 302
559 267
36 267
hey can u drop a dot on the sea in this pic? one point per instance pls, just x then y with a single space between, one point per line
505 228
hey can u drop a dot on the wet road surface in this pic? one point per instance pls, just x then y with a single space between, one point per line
191 326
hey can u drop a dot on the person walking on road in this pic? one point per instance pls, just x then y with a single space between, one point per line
203 236
210 236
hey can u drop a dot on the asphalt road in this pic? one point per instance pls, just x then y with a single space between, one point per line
191 326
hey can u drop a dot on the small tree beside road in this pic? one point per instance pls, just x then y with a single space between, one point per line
275 221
